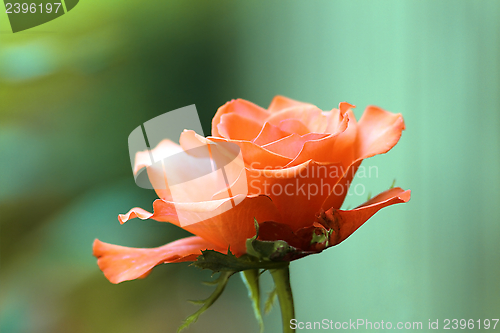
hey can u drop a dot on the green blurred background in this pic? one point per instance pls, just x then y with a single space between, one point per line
73 89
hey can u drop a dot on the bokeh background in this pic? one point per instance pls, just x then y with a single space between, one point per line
73 89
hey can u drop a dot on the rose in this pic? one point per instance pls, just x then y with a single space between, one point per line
289 150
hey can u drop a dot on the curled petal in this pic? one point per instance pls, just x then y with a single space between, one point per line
378 132
336 117
234 126
241 107
252 154
291 145
294 126
229 229
281 102
120 263
329 148
309 115
345 222
256 156
346 143
133 213
270 133
344 107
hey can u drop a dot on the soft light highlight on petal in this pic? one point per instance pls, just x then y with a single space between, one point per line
236 127
241 107
281 102
309 115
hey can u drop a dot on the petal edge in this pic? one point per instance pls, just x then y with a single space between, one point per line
121 263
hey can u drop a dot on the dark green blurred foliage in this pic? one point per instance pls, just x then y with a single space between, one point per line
73 89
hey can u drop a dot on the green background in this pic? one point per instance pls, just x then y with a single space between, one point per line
73 89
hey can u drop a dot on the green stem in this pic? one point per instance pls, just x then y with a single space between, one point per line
251 279
281 277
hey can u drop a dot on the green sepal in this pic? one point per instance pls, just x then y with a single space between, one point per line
251 279
268 250
321 238
274 256
220 262
221 284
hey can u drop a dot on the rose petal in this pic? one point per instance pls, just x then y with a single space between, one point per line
309 115
133 213
337 196
329 149
346 144
336 117
294 126
233 126
344 107
298 192
164 149
345 222
256 156
252 153
270 133
120 263
291 145
186 175
378 131
148 158
190 174
238 186
243 108
231 228
280 102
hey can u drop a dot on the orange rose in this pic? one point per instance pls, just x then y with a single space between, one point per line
299 162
